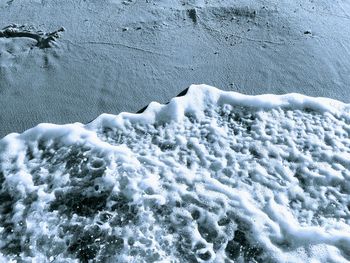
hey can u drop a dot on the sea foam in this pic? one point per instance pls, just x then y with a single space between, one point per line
212 176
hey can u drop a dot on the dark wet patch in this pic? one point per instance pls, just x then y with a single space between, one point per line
73 202
192 14
93 243
240 246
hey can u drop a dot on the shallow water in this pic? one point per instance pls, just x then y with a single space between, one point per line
209 177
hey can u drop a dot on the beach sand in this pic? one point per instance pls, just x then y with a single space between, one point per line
116 56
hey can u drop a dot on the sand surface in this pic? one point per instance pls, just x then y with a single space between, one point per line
116 56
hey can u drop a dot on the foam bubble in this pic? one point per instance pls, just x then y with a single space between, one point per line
212 176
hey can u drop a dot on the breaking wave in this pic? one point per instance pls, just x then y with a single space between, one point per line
212 176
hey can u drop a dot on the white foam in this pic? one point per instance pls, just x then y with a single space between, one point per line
209 177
